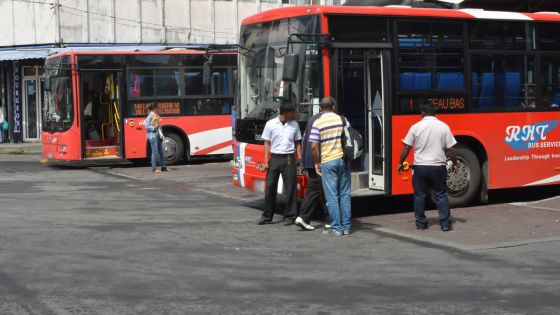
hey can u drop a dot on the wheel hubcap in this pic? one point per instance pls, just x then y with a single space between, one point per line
169 148
458 183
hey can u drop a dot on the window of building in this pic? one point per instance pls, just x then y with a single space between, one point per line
153 82
431 56
550 75
500 35
348 28
504 82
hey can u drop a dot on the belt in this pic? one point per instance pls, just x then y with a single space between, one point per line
282 154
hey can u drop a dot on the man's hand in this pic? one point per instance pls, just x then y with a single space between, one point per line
455 167
400 169
318 169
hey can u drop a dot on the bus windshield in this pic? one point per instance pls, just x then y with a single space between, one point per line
58 109
261 86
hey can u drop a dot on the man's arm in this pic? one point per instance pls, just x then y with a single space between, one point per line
299 153
316 157
266 155
404 154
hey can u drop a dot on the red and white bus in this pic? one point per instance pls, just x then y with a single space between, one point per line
494 77
96 103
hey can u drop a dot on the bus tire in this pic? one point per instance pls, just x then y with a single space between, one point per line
173 148
463 187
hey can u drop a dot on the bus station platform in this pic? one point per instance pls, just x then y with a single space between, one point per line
21 148
479 227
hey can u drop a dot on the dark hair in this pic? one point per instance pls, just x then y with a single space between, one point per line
328 103
428 108
152 106
287 108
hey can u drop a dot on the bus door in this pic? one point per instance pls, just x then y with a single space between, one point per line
101 114
377 114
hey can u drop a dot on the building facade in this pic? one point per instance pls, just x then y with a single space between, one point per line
33 29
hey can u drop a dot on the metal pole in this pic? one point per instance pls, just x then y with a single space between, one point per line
114 21
58 34
163 28
139 21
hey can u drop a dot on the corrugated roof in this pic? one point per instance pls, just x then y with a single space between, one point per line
23 54
42 53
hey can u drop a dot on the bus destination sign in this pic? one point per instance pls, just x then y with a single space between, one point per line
165 108
448 103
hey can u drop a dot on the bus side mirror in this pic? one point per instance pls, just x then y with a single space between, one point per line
47 84
291 67
206 73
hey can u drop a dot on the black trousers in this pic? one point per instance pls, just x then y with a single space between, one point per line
424 179
284 164
314 197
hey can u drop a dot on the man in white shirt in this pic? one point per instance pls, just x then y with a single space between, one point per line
282 142
433 143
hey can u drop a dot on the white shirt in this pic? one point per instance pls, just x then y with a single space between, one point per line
88 111
281 136
431 138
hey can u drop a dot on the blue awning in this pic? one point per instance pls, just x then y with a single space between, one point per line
44 52
24 54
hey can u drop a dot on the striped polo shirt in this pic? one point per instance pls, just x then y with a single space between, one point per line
327 130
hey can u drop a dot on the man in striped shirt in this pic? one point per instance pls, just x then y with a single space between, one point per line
326 144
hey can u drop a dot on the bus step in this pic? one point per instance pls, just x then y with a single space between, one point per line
102 152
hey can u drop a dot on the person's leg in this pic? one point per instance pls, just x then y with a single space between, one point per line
420 192
330 186
289 175
312 197
154 148
344 183
160 152
439 185
274 168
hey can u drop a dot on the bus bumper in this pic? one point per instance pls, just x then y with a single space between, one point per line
246 173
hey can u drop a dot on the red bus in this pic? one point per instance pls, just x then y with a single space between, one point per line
96 103
494 77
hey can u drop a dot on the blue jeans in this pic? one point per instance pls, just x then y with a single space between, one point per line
157 148
336 184
425 178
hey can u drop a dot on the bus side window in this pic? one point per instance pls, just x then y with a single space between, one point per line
550 82
504 82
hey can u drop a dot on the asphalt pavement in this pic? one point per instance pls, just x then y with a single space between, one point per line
107 241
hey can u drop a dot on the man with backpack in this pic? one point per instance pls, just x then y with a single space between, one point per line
328 153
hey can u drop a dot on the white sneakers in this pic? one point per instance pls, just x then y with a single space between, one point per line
299 222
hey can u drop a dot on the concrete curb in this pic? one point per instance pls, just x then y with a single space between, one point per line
466 248
21 148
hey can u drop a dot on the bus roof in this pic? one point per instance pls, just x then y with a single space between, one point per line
296 11
140 52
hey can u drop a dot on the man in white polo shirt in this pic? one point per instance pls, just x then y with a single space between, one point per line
282 142
433 143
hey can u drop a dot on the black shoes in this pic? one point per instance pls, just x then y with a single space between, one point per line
446 228
421 226
263 221
164 169
288 222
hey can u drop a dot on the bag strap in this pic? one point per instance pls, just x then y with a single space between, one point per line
343 120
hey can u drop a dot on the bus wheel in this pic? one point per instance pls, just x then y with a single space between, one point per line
173 148
463 186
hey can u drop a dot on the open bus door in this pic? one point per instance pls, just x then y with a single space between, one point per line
378 118
101 113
